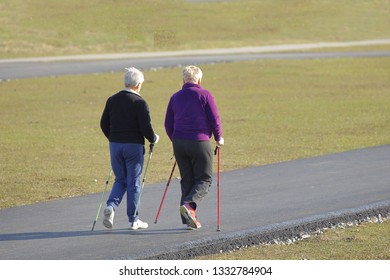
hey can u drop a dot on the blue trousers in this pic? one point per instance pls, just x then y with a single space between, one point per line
127 162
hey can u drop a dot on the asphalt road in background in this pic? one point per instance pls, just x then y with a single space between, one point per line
89 64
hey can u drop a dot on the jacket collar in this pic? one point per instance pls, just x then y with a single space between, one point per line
188 85
132 91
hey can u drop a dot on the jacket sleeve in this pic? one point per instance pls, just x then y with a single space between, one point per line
145 122
105 121
213 117
169 120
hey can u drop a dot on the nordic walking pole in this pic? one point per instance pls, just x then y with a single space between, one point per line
144 178
165 192
101 200
218 150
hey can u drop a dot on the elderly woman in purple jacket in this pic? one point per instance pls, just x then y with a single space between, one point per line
191 120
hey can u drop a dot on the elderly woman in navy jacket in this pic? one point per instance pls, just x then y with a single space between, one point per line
126 123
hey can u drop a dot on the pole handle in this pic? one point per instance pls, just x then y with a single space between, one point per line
216 149
151 146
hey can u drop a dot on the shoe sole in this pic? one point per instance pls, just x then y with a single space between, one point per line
137 228
194 228
107 224
106 221
187 215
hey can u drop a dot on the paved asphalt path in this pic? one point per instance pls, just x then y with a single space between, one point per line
18 70
278 201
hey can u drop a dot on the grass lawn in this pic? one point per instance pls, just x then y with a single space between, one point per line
272 111
368 241
42 28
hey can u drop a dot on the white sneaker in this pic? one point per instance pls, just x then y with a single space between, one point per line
138 224
109 214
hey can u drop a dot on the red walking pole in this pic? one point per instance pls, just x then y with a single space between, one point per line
218 149
165 192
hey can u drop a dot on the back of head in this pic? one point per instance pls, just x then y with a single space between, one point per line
192 74
133 77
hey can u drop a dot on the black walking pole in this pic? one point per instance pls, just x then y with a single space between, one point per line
143 180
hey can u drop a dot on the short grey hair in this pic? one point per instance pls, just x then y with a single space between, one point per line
133 77
192 74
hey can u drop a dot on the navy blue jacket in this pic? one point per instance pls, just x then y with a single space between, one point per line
126 119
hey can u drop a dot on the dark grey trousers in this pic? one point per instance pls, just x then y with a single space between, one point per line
195 162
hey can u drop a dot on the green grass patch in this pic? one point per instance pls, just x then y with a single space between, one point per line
41 27
368 241
51 145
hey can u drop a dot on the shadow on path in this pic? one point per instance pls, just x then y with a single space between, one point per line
81 233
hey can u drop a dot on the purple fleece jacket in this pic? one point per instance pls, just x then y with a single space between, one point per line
193 115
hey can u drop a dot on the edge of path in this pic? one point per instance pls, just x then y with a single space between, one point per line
279 233
241 50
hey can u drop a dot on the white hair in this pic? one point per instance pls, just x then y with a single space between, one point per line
192 74
133 77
